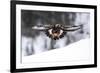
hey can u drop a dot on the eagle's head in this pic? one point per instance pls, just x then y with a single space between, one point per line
55 32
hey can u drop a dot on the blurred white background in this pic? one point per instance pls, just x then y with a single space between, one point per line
5 36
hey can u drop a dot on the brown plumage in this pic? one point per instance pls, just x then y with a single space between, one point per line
56 31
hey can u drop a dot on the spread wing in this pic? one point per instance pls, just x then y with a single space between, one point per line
72 28
41 27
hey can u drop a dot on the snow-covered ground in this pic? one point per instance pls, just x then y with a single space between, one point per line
78 53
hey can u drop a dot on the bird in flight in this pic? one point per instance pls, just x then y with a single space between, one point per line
56 31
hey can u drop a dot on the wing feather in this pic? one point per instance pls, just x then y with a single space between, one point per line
72 28
41 27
